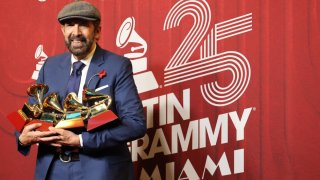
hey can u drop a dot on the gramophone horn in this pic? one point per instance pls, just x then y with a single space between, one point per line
40 54
51 103
71 103
90 96
38 91
127 34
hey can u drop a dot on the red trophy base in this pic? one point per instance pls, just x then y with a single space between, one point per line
100 120
44 125
17 120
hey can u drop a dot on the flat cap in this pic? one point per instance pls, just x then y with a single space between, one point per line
79 10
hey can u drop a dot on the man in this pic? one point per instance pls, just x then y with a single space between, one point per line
102 153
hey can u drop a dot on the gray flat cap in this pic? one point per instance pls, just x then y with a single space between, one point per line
79 10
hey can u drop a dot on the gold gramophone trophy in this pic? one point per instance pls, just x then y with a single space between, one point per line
30 113
99 109
73 114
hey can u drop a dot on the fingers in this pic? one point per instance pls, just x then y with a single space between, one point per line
55 144
67 137
52 140
46 133
41 134
31 127
54 137
49 138
58 131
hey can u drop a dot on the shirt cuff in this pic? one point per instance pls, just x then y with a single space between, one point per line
81 141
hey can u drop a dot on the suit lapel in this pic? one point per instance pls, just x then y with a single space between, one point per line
64 73
94 68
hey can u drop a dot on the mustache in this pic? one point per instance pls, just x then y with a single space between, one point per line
77 38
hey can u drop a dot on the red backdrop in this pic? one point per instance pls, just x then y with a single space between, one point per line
260 122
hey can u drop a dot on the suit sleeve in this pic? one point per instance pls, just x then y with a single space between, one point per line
131 124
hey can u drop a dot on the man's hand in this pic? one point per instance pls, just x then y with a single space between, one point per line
30 135
66 138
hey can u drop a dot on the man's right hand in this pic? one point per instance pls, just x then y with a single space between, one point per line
30 135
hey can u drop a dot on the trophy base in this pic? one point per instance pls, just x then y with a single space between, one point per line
17 120
101 119
44 125
72 123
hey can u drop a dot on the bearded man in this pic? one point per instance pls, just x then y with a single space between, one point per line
102 153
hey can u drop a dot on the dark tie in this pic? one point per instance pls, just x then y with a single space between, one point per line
75 77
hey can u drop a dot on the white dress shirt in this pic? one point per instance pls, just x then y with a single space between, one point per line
84 73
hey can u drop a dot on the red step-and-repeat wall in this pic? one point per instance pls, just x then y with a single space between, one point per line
230 88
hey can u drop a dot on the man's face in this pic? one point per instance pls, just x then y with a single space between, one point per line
79 36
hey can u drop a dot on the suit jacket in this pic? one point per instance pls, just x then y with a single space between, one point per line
105 153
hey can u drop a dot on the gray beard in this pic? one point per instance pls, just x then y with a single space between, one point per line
80 52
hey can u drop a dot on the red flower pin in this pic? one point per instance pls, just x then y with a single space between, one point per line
102 74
